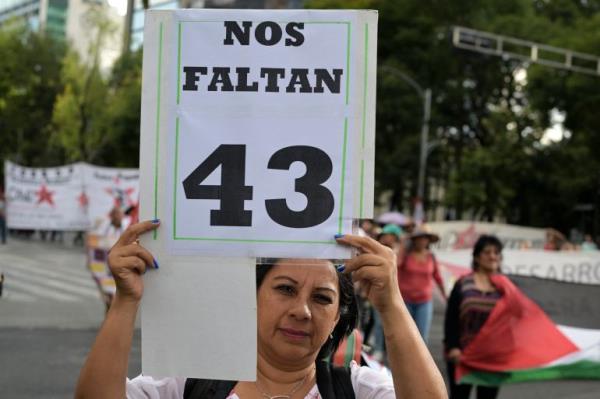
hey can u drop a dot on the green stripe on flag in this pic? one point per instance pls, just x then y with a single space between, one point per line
582 370
350 344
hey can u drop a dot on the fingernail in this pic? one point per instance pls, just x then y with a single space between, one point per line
339 235
341 268
155 263
155 221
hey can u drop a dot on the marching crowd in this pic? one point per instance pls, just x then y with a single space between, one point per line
416 275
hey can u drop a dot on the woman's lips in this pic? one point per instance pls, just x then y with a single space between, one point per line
292 333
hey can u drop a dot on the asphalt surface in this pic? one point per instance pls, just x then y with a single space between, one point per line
50 312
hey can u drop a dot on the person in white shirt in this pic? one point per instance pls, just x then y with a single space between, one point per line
303 313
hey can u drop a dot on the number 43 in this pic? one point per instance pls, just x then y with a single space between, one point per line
232 192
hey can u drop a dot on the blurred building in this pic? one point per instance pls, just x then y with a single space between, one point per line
70 20
82 34
48 15
137 25
67 20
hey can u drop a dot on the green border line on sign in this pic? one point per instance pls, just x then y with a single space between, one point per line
328 242
343 174
279 22
344 150
157 132
178 62
176 178
364 123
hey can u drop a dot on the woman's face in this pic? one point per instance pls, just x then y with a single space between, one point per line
298 307
389 240
420 242
489 259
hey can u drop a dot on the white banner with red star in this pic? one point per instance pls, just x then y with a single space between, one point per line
45 198
460 234
107 188
70 197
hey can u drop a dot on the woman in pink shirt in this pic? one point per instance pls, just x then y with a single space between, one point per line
417 270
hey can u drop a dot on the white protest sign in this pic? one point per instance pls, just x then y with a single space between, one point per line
259 140
45 198
246 161
199 319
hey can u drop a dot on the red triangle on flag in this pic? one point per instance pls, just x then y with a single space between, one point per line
517 335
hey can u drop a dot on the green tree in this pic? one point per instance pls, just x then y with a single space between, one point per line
79 118
122 116
29 83
489 124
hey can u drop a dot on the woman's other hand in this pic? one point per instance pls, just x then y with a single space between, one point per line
375 269
128 261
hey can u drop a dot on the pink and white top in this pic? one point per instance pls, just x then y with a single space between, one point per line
367 383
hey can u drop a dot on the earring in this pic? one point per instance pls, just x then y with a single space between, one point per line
331 335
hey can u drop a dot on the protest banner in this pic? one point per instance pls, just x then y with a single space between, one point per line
70 197
257 141
107 188
45 198
463 234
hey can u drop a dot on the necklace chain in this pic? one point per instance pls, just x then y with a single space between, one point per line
294 389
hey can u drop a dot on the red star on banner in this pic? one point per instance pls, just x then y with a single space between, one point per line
466 239
44 195
121 196
83 199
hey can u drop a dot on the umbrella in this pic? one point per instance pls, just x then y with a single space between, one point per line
393 218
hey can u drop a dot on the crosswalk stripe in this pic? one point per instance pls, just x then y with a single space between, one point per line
9 294
38 290
65 287
47 263
83 279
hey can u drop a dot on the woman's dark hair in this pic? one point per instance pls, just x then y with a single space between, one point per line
482 242
348 310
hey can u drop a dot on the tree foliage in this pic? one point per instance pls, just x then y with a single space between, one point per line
489 114
492 160
29 84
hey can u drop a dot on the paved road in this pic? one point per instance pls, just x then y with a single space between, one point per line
51 310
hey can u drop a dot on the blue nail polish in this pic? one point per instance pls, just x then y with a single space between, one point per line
155 263
339 235
341 268
155 221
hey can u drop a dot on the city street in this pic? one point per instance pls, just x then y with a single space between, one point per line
50 311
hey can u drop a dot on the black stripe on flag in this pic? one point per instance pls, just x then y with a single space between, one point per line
569 304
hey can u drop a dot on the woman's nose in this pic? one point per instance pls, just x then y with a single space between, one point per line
300 309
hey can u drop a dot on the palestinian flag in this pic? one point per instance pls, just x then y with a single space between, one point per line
540 329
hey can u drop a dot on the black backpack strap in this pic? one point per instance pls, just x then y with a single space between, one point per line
334 382
342 383
207 389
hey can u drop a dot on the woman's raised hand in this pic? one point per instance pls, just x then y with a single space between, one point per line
375 268
128 261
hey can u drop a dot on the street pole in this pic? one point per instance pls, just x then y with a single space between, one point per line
127 27
424 143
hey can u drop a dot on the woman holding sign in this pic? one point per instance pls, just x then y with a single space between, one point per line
303 314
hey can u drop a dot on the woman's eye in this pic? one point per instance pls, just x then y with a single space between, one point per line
285 289
324 299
